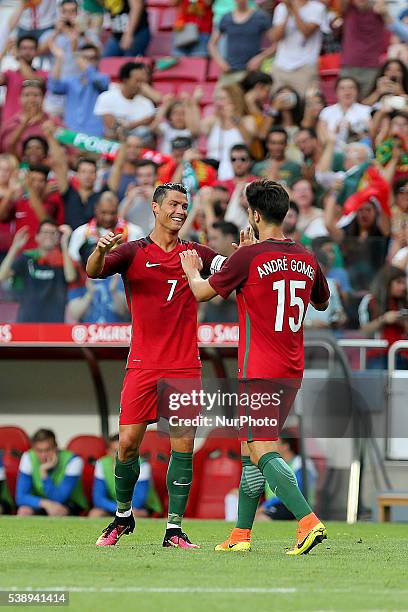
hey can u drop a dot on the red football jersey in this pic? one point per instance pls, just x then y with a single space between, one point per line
163 308
275 281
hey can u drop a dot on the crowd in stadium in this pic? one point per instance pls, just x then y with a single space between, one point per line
310 93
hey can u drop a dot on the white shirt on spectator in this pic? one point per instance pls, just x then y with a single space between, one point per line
358 116
79 237
113 102
399 258
169 133
294 50
74 466
40 17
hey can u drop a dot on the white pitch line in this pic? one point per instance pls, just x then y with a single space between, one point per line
153 589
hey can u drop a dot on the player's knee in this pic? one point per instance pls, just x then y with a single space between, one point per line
25 511
128 447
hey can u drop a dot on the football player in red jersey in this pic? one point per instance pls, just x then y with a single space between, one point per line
163 346
275 280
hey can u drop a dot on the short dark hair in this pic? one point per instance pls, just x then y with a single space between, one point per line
143 163
161 191
69 2
113 438
36 83
86 160
269 199
241 147
277 129
39 139
43 434
40 168
399 184
318 242
88 46
255 77
311 131
126 69
24 37
227 228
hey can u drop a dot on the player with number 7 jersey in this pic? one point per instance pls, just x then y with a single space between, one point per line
163 346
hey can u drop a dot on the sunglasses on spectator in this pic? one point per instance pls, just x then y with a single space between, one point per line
241 159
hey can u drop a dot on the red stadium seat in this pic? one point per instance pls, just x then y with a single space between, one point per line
217 470
214 71
13 442
167 19
328 88
155 448
329 64
191 69
89 448
208 91
160 45
165 87
154 13
159 3
112 65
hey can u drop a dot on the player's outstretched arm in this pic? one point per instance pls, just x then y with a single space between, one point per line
192 264
96 260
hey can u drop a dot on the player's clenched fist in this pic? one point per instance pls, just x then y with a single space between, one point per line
107 242
190 261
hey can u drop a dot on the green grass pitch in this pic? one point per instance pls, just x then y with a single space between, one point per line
360 567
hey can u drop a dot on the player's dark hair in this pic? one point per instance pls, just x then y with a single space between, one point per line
39 139
277 129
126 70
24 37
113 438
269 199
69 2
41 435
161 191
227 228
40 168
86 160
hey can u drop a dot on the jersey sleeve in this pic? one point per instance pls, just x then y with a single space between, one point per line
212 261
320 290
119 260
233 273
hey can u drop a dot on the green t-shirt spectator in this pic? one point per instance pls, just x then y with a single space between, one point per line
289 171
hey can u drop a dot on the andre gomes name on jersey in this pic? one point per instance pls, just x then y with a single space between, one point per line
282 264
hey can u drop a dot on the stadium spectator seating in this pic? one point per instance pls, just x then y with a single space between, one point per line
90 449
14 442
